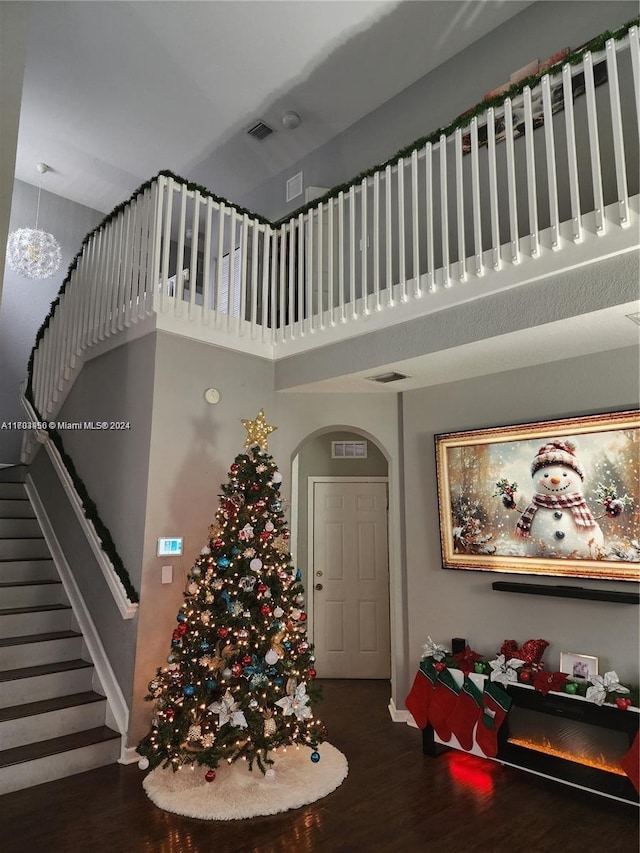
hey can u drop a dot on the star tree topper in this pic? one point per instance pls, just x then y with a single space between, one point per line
258 431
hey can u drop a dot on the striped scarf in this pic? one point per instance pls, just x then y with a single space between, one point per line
576 503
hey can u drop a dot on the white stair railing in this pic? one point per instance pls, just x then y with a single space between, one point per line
543 172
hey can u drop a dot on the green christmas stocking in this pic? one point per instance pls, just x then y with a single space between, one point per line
443 701
495 704
466 712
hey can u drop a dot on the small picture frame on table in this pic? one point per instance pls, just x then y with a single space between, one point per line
578 667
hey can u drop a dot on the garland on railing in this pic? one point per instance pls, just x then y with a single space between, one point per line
595 44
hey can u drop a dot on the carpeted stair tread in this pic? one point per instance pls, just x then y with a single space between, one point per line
43 669
43 582
45 706
66 743
39 638
40 608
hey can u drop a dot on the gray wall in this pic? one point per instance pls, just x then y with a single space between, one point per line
114 464
537 32
25 302
191 447
451 603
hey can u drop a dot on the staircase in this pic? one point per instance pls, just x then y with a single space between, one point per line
52 717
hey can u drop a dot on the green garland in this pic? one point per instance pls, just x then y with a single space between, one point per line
596 44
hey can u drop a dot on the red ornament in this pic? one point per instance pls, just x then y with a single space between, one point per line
262 587
236 670
264 535
312 673
246 660
439 666
260 504
302 617
222 632
285 534
255 487
210 775
623 703
169 713
182 628
265 610
176 634
525 675
218 543
234 468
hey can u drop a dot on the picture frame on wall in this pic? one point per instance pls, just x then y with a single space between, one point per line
578 667
559 498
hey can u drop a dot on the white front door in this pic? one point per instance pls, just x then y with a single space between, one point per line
349 579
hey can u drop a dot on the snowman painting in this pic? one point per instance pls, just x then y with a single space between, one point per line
558 522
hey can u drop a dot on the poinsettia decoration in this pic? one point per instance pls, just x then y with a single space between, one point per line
546 681
603 684
505 671
466 659
434 650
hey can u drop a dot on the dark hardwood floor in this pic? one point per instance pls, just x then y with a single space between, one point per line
393 801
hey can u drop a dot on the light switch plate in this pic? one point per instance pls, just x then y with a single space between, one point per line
167 574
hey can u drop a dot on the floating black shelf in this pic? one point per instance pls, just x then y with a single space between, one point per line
568 592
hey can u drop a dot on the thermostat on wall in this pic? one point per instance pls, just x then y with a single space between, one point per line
170 546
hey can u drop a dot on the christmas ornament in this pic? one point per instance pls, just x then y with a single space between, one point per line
296 702
270 727
571 687
315 756
256 564
272 656
194 733
623 703
143 764
247 583
276 477
228 711
270 774
312 673
439 667
258 431
210 775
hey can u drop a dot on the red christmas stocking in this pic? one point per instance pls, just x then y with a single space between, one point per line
630 763
443 701
466 712
495 704
419 697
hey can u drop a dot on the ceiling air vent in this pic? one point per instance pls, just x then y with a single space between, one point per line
294 187
348 449
260 131
388 377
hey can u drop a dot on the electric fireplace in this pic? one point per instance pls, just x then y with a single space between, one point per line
565 738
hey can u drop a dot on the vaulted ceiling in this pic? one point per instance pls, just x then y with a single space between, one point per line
115 91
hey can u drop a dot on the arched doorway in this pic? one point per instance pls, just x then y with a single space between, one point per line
340 535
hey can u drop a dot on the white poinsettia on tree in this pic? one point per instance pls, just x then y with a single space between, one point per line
296 703
228 711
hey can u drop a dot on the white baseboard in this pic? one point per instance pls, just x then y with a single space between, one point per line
119 711
400 716
129 756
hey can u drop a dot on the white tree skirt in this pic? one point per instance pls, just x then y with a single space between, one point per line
238 793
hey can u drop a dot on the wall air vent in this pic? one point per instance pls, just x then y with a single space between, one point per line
388 377
294 187
260 131
348 449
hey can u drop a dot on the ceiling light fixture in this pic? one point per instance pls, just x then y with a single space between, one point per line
291 120
31 252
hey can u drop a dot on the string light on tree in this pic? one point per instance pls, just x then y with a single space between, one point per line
240 676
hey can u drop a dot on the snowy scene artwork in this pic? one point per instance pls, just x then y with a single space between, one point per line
551 498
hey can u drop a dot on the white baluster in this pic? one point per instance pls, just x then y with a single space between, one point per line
552 183
493 189
572 157
166 247
300 267
428 165
231 282
618 138
308 289
634 47
217 302
244 277
531 174
511 182
402 254
193 260
341 239
444 212
364 238
291 307
207 302
594 143
352 251
462 257
182 227
376 241
320 279
475 189
254 280
389 257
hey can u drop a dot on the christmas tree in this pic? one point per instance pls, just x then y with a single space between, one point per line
239 680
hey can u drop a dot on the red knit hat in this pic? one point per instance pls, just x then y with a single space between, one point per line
557 453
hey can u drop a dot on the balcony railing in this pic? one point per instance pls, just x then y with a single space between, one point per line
548 180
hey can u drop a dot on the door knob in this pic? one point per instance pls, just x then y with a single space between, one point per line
319 574
318 586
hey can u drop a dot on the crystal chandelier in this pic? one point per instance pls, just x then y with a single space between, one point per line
31 252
